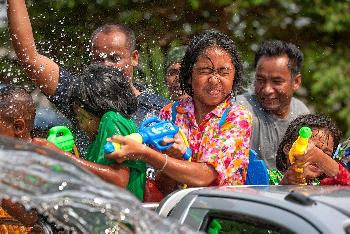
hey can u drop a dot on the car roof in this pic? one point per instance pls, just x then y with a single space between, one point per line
335 196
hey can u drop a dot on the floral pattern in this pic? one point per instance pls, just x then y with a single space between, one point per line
226 148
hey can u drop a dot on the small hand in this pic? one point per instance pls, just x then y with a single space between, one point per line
178 149
292 177
324 162
129 150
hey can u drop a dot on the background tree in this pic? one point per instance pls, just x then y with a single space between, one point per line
321 29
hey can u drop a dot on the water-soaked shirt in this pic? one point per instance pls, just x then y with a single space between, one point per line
226 148
148 105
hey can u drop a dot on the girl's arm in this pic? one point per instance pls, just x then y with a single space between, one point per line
190 173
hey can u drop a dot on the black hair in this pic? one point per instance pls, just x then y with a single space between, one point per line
197 45
109 28
292 132
102 88
16 102
276 48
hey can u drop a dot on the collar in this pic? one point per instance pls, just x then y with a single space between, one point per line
187 106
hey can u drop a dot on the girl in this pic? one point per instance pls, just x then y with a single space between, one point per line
319 167
218 129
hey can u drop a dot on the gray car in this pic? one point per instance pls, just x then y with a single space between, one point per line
261 209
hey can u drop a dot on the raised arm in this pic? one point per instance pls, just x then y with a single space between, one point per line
42 71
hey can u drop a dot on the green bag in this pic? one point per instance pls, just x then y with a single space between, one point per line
113 123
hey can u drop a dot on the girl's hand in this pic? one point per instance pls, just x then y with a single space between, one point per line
291 177
315 156
129 150
178 149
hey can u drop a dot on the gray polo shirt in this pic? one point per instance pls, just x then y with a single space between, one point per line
268 130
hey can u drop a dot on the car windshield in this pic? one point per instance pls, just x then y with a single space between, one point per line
69 196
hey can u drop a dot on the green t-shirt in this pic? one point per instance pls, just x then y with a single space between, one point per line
113 123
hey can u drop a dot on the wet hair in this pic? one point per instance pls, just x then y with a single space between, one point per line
201 42
15 103
278 48
314 122
109 28
101 88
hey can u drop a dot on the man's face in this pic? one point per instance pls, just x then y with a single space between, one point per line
274 85
111 49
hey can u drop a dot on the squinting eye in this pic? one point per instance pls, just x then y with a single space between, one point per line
224 71
205 71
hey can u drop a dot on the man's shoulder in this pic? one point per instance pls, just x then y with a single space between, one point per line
250 102
299 107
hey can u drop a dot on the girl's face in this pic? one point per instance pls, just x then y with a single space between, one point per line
212 76
323 139
86 121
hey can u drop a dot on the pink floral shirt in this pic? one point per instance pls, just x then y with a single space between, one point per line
225 148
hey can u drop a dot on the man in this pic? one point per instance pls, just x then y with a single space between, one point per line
277 78
172 66
112 45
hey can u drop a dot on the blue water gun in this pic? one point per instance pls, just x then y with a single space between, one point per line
152 132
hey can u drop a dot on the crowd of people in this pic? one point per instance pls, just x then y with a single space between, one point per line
204 80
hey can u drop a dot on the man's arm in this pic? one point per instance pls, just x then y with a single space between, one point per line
41 70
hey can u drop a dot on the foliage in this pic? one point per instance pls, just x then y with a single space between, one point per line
321 28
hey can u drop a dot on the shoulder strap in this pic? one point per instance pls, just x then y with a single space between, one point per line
224 116
174 112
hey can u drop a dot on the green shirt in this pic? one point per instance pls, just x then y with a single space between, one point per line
113 123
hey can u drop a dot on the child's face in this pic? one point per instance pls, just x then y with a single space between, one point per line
86 121
324 141
212 76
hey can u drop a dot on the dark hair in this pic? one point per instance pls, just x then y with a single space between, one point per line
16 102
312 121
277 48
102 88
201 42
109 28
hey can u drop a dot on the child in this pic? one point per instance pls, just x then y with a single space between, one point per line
17 113
319 167
102 104
218 130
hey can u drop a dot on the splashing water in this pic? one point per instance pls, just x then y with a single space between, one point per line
70 197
